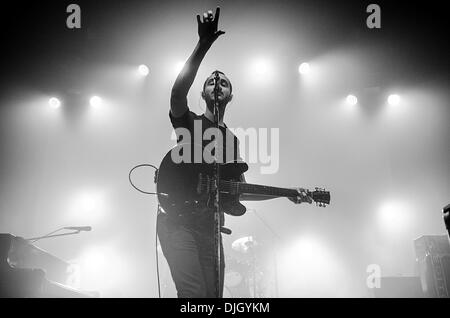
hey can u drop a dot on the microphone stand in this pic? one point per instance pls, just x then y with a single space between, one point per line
216 192
49 235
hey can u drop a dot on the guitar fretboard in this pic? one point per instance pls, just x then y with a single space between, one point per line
248 188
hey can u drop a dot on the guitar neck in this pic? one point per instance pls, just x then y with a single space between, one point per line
248 188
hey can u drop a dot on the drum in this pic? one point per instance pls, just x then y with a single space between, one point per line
235 279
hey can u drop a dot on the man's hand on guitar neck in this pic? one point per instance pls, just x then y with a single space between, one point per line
301 197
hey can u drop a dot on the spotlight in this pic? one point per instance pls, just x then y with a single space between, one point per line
304 68
87 206
95 101
394 217
54 102
102 267
261 67
351 100
393 99
143 70
261 71
307 267
178 67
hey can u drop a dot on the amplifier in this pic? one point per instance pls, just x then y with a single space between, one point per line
433 257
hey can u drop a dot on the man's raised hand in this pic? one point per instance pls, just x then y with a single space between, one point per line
207 29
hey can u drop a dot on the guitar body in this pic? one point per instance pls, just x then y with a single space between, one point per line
185 188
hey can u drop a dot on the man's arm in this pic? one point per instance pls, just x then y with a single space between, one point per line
302 197
207 32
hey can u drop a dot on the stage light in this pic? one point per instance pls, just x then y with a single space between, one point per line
261 71
304 68
308 268
54 102
94 260
393 99
95 101
143 70
178 67
351 100
87 207
394 216
261 67
102 268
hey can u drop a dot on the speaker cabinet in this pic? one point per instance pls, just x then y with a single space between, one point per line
433 257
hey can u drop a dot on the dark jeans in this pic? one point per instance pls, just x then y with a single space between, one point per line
190 253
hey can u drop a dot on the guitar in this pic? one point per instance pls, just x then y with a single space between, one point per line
185 188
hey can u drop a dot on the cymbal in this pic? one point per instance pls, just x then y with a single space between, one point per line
244 244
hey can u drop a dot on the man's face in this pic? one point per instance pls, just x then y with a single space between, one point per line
224 90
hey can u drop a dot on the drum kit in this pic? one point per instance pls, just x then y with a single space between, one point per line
244 274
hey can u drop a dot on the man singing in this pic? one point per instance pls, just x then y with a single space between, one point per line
188 243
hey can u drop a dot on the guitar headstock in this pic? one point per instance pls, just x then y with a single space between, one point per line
320 196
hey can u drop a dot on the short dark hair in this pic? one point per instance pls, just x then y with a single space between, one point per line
231 86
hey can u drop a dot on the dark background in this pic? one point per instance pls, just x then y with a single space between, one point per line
37 43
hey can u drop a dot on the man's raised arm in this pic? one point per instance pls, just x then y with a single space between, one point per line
207 32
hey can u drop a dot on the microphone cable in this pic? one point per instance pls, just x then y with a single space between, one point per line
156 222
138 166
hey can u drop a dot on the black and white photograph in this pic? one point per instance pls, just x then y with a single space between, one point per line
252 150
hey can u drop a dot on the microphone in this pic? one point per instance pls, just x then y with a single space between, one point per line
78 228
